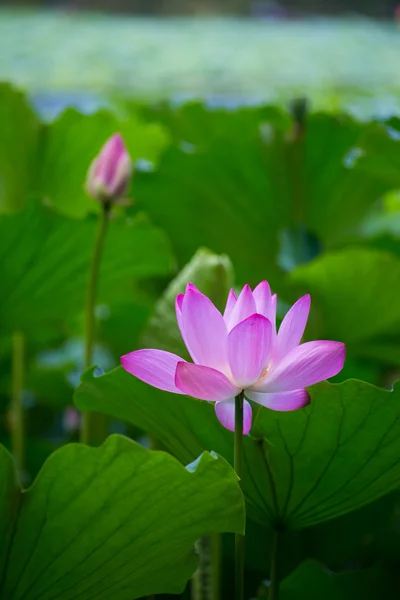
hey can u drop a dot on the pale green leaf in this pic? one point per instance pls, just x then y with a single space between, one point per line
116 522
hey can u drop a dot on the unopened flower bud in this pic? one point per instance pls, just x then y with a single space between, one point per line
110 172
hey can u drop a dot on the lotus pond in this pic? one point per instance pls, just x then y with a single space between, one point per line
133 480
349 64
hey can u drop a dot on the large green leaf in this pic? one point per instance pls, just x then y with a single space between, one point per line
231 195
196 124
255 177
354 291
18 149
343 173
301 467
71 143
45 260
311 581
212 274
116 521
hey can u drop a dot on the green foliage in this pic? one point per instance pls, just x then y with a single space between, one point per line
46 257
287 482
229 207
338 189
335 281
18 150
309 204
117 520
212 274
312 582
51 385
73 141
275 178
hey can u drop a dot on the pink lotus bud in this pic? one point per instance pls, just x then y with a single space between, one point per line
110 172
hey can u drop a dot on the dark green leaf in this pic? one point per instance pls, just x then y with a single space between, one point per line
356 538
312 582
50 385
9 505
123 323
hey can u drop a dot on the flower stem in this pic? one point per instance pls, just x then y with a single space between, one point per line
274 575
94 427
206 580
201 579
216 555
17 408
238 465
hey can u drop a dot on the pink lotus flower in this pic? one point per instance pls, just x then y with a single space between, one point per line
240 350
110 172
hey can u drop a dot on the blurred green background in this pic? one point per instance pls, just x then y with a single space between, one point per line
237 51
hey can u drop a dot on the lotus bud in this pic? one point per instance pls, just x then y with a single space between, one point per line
110 172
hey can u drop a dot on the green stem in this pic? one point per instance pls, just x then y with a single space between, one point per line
206 578
17 409
216 555
238 465
199 582
274 575
94 427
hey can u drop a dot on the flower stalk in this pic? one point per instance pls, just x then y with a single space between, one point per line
107 182
238 466
274 575
94 428
202 580
216 559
